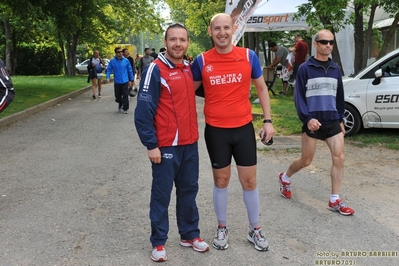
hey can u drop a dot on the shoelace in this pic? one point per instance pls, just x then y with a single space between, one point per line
259 236
221 233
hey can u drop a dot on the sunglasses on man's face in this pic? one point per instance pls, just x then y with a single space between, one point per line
118 52
324 42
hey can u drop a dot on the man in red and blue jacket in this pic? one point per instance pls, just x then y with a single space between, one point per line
166 121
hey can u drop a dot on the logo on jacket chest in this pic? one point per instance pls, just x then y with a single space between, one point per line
175 75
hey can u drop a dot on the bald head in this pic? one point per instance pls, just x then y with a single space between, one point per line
221 30
323 34
219 17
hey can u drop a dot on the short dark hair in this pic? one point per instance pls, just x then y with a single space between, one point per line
272 44
163 49
147 48
124 49
175 25
116 49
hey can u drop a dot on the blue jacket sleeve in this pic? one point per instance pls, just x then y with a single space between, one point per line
255 65
196 68
130 72
300 95
147 104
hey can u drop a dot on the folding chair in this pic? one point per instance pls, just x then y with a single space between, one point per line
270 77
291 84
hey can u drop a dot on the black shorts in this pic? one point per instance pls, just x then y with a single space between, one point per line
223 143
324 132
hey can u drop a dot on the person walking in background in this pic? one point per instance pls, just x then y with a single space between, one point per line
95 68
145 60
7 92
166 122
126 54
225 72
123 78
153 53
162 50
319 100
136 64
280 57
301 50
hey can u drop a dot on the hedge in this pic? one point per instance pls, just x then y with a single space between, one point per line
33 59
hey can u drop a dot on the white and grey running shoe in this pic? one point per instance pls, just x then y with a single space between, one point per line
221 238
255 236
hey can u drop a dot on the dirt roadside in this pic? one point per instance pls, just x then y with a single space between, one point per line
370 175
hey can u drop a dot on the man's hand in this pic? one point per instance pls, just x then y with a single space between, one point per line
314 124
268 131
343 128
154 155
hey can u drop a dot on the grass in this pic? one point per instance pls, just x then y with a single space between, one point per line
34 90
286 122
377 137
285 119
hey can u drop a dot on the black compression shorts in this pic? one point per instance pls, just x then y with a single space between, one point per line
223 143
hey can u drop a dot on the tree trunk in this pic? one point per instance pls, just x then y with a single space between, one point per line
62 47
359 40
263 43
369 36
7 29
335 52
71 44
336 56
389 36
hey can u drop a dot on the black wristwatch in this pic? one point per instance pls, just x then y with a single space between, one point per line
267 121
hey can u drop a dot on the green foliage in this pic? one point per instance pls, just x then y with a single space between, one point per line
39 60
194 49
91 23
196 14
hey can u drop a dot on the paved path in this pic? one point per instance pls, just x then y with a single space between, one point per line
75 185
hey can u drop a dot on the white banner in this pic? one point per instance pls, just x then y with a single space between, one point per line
240 11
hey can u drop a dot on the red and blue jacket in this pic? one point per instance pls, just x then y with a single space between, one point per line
166 112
